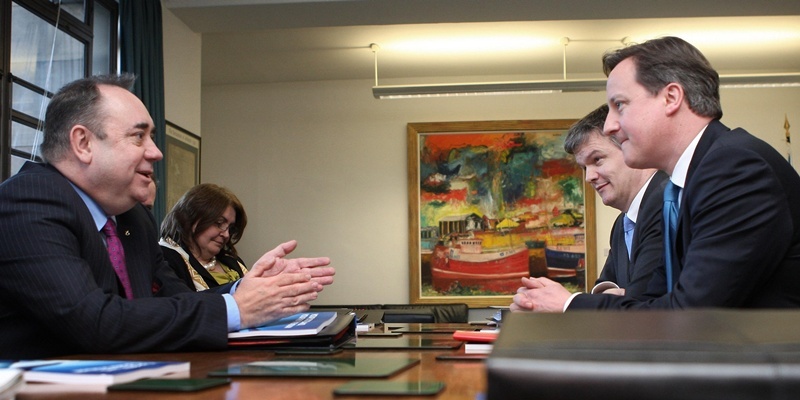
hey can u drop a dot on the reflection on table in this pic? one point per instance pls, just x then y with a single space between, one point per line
463 378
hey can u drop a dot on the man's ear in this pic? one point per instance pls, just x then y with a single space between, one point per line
80 142
673 97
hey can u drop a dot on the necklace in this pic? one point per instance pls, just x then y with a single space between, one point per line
211 264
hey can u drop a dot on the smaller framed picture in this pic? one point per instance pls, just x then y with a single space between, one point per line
182 161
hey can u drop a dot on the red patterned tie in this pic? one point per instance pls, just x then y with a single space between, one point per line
117 256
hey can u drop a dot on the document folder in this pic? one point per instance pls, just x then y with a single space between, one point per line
340 331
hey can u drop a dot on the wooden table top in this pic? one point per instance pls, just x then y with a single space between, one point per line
463 379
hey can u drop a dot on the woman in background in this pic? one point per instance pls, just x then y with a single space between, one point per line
198 237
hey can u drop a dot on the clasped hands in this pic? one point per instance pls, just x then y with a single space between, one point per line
540 295
545 295
277 286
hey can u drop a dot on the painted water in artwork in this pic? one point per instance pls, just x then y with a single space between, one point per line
496 207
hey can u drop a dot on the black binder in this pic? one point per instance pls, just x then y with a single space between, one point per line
699 354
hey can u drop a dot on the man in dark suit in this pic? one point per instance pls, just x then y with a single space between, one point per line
60 293
738 226
637 193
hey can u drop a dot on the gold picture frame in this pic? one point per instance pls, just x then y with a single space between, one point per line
490 202
182 163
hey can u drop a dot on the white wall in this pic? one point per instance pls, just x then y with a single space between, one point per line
325 163
182 55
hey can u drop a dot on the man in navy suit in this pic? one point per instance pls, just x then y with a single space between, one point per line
638 194
738 227
59 293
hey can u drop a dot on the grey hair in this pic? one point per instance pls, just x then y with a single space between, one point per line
77 103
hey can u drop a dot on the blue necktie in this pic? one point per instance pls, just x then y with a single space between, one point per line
670 229
629 225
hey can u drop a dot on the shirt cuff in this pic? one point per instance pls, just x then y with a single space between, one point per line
569 300
603 286
234 319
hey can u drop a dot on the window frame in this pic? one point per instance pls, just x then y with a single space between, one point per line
67 24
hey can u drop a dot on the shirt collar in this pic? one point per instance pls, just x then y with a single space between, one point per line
98 215
633 210
681 169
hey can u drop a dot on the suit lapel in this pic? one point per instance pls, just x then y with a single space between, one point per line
655 183
710 136
93 245
712 132
623 262
133 240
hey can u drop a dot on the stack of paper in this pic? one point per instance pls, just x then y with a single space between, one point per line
10 383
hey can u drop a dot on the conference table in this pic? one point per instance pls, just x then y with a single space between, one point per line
463 379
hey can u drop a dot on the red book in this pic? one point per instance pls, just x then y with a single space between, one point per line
476 336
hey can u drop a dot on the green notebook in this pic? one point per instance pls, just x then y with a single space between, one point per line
355 366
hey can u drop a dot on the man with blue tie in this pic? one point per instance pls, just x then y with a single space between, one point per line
636 242
736 242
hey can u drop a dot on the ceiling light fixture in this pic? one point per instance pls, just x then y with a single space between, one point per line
553 86
760 80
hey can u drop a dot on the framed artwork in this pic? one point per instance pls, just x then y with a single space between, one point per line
182 159
491 202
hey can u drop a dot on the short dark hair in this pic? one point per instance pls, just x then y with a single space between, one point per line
203 205
670 59
76 104
579 132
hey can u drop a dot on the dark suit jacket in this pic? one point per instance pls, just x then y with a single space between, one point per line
738 240
646 247
59 293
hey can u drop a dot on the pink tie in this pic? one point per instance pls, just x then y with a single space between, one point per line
117 256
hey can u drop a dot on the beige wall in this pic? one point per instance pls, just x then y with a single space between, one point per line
325 162
182 54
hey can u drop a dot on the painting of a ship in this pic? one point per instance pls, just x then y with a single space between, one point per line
467 264
566 258
487 204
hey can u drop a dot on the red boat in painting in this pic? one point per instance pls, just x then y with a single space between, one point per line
468 265
566 260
